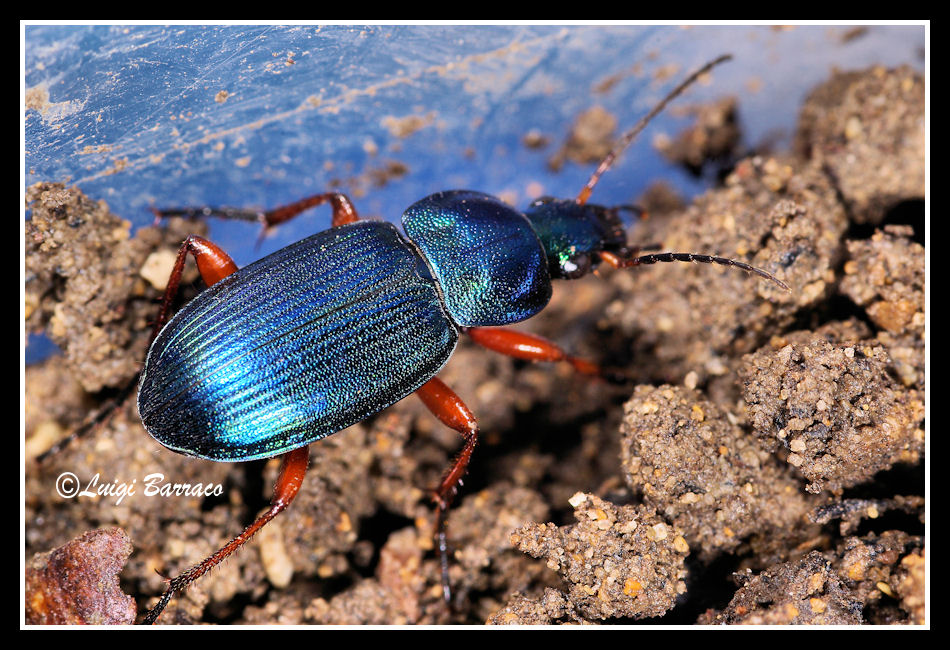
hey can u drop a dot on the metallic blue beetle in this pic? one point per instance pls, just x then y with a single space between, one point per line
364 317
336 327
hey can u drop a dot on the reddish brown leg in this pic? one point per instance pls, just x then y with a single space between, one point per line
533 348
292 470
213 264
451 410
343 211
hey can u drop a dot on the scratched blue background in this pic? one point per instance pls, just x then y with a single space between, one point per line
134 114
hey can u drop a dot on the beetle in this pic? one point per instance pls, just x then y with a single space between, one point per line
338 326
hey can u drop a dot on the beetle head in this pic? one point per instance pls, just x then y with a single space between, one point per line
573 234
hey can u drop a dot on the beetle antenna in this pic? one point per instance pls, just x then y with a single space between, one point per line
621 262
629 136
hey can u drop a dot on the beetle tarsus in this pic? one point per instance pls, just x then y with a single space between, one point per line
152 615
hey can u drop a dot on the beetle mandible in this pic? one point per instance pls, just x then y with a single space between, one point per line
365 316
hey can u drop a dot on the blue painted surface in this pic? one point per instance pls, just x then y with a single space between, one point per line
138 116
296 346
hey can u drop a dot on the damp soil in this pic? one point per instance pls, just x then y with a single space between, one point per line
763 465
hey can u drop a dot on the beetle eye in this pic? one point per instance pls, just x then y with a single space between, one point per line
541 201
575 267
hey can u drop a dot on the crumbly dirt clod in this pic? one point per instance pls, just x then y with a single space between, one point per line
712 140
869 567
78 583
862 580
866 130
686 318
885 276
83 283
617 561
707 476
833 408
807 591
483 557
552 608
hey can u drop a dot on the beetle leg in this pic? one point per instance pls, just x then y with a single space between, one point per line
529 347
451 411
343 211
213 264
292 471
